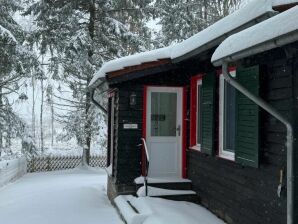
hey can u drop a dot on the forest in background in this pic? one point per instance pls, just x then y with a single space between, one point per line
50 50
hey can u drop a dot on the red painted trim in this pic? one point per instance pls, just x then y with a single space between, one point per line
193 109
231 69
184 132
144 126
148 86
111 93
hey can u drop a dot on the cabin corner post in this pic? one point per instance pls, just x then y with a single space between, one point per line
290 140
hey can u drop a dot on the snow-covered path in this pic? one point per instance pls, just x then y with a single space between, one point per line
74 196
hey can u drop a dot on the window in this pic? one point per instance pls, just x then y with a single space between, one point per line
227 118
196 113
163 114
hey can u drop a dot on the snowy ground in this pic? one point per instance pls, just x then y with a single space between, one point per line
79 196
75 197
161 211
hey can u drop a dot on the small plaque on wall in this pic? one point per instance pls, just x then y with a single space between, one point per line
130 126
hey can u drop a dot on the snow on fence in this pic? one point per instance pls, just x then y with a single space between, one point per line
50 163
11 170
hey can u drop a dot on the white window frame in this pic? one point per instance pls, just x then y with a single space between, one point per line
199 84
223 153
197 146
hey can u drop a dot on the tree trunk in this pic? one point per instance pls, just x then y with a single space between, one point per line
52 119
87 128
33 107
205 11
8 139
41 116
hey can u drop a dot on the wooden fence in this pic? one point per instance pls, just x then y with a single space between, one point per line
50 163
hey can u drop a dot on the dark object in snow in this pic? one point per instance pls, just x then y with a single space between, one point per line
23 96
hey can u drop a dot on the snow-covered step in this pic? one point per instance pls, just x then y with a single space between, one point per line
176 195
165 183
157 192
140 180
158 210
127 211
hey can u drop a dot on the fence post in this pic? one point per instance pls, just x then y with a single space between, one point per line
33 164
49 163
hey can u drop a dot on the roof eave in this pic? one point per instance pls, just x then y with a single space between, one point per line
262 47
98 82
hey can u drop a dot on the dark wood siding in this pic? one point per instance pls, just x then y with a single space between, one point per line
128 152
128 158
242 194
295 118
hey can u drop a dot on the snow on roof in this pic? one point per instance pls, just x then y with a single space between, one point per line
6 32
270 29
131 60
249 12
283 2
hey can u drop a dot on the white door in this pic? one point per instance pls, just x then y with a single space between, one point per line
164 131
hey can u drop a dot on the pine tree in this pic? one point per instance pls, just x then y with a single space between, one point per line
16 60
181 19
81 35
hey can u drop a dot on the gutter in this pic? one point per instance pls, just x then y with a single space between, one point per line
105 112
267 107
262 47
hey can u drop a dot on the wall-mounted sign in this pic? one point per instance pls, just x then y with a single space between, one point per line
130 126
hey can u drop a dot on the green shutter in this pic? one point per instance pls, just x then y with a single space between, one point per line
247 124
208 109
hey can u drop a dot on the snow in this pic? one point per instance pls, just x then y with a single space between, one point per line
252 10
6 32
161 211
270 29
283 2
140 180
127 211
64 197
109 170
131 60
155 191
249 12
11 170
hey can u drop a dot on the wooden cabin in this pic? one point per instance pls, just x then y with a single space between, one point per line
202 134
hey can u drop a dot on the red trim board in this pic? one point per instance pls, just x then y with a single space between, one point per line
193 109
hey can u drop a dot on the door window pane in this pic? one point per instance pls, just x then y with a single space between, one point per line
230 119
163 114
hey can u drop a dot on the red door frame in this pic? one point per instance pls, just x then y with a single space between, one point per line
184 127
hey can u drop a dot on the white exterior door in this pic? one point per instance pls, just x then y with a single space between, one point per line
164 131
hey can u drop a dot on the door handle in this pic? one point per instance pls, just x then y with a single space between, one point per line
178 129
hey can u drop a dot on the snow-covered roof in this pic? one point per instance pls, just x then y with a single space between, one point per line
283 2
268 30
252 10
249 12
131 60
